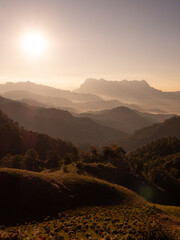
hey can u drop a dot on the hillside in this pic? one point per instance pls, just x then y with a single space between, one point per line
136 92
27 195
159 163
125 119
16 141
59 124
168 128
106 210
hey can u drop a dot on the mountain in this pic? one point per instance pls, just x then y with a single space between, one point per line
64 103
169 128
46 91
59 124
16 140
41 101
136 92
125 119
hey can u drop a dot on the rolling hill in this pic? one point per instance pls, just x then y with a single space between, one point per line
27 195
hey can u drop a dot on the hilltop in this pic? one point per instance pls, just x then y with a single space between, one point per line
27 195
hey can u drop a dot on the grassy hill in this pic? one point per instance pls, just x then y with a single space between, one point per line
72 206
27 195
103 222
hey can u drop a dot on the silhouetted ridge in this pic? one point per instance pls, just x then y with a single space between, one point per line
59 123
125 119
169 128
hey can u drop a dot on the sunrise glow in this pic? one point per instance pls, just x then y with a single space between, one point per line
34 44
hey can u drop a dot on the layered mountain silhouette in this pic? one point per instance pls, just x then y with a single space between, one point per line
45 96
42 90
137 92
125 119
59 124
62 103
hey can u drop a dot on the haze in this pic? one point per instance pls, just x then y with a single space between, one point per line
119 39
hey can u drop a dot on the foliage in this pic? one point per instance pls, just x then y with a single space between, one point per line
112 153
15 142
159 163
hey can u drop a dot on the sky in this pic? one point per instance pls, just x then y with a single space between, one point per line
110 39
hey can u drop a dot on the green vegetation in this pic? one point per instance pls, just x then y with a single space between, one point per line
159 164
30 150
111 222
56 179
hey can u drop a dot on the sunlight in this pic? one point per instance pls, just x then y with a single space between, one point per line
34 44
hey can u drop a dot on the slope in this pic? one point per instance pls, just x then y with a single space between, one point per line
26 195
170 127
125 119
59 123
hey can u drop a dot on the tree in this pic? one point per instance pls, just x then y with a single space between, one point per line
31 160
53 159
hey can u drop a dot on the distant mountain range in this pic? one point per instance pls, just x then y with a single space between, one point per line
138 92
47 91
45 96
96 95
44 109
59 124
63 103
125 119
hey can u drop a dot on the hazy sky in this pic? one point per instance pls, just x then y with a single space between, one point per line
112 39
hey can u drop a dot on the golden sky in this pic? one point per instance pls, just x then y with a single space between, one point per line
112 39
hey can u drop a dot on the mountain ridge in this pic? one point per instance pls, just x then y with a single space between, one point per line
137 92
125 119
59 123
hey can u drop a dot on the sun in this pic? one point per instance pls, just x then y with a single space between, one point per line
34 44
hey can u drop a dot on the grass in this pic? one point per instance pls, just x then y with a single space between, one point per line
27 195
67 205
110 222
171 210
